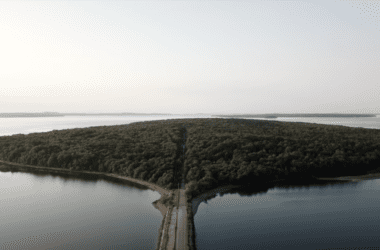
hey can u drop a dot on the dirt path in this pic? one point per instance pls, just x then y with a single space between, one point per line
172 228
182 234
160 247
182 227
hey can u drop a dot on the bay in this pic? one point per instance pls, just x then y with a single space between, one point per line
328 216
62 211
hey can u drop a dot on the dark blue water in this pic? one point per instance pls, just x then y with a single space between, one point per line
329 216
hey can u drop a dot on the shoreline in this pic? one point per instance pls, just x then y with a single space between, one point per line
164 191
226 188
357 178
167 237
164 236
149 185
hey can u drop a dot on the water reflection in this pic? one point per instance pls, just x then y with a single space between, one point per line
43 210
262 188
322 214
260 213
74 176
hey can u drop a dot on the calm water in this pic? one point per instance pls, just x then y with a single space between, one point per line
10 126
329 216
362 122
56 211
51 211
333 216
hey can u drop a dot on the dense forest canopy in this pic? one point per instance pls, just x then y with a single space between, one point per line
217 151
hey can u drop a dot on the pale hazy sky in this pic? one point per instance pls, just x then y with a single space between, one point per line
316 56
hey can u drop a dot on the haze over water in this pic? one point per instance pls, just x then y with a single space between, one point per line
10 126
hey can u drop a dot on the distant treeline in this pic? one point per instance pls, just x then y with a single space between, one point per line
52 114
218 151
117 114
276 115
45 114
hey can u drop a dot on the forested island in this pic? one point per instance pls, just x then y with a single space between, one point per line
114 114
44 114
217 151
56 114
276 115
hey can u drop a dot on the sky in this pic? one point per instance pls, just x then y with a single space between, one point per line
181 57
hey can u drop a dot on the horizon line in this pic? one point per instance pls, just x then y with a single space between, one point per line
215 113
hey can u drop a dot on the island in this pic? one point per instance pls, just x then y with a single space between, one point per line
267 116
57 114
186 159
276 115
44 114
115 114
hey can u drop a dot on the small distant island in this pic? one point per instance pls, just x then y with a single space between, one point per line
267 116
56 114
276 115
114 114
44 114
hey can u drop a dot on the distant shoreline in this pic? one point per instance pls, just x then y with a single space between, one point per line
267 116
13 115
273 116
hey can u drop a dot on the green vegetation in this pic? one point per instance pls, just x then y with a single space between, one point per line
146 151
218 151
168 200
238 151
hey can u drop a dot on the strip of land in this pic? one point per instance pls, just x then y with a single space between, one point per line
182 225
